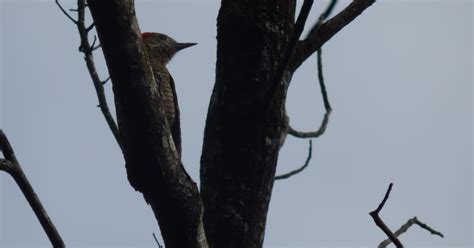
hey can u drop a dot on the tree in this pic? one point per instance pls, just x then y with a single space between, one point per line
258 52
246 123
286 60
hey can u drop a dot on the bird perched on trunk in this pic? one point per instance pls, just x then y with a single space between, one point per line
161 49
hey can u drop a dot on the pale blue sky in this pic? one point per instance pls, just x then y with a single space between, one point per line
399 79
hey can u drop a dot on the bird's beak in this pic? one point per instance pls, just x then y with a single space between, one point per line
181 46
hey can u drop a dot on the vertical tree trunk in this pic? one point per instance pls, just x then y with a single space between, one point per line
243 135
152 162
246 123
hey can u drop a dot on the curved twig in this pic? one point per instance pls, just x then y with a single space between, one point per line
11 165
65 12
327 107
315 134
306 163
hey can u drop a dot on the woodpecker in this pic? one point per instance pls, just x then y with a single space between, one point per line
161 49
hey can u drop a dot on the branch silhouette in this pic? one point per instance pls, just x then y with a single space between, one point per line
11 165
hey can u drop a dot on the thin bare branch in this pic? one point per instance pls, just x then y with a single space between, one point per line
327 106
405 228
88 29
93 42
65 12
326 31
11 165
106 80
379 222
385 198
298 30
323 16
328 10
87 49
96 47
322 85
427 228
289 50
306 163
157 242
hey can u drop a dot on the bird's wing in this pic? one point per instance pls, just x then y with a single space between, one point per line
176 128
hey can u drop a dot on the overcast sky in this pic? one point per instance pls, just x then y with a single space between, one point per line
399 79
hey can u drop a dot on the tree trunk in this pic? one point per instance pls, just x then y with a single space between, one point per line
152 162
245 123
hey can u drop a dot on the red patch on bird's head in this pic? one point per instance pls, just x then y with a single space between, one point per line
146 34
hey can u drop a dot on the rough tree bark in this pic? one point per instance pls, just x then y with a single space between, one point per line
246 123
152 162
242 137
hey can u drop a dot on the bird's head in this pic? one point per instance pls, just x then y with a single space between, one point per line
162 47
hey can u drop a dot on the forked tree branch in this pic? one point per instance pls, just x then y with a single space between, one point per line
327 106
379 222
11 165
318 36
87 49
405 228
298 30
277 82
323 16
393 237
306 163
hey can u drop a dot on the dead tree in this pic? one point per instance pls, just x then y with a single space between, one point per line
259 49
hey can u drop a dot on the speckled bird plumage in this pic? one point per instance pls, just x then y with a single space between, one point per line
161 49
